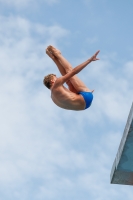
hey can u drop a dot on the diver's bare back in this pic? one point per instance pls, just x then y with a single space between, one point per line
66 99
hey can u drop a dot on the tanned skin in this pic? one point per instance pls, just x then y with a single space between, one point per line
63 97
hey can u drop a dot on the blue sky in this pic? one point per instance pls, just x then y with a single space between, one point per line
47 152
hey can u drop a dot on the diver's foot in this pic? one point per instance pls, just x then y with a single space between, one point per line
54 51
49 53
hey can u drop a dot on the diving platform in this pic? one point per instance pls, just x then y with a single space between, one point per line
122 169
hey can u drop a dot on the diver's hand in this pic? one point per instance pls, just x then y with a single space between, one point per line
94 57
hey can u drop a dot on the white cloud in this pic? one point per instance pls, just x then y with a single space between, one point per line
128 69
28 143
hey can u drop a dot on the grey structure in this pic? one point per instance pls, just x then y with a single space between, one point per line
122 170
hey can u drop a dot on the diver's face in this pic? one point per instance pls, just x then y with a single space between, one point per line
54 78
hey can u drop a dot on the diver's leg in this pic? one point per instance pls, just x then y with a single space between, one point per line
61 69
76 82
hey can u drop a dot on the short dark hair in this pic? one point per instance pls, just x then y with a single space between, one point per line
47 80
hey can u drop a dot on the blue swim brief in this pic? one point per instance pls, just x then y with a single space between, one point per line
88 97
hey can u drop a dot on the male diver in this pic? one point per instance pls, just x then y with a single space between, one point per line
78 96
